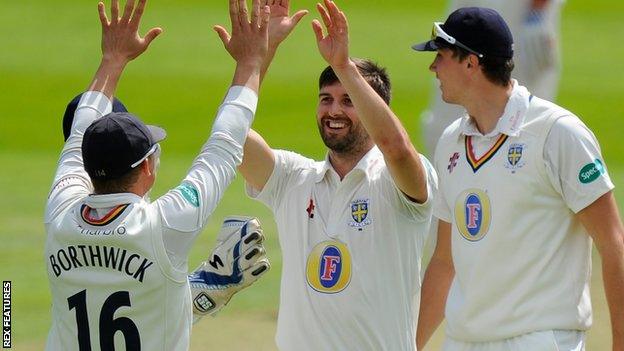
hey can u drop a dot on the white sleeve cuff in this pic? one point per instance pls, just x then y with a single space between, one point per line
242 96
92 105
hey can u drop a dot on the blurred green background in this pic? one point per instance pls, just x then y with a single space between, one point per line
50 50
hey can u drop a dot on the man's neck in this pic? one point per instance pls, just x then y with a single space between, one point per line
343 163
487 104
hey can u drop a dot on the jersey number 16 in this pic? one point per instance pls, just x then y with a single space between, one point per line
108 324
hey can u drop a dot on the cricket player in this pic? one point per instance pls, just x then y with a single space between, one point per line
534 25
351 227
524 190
116 262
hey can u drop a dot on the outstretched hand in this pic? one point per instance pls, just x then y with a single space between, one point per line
334 47
121 41
248 43
281 24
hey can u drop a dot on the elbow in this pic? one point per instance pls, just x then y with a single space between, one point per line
397 149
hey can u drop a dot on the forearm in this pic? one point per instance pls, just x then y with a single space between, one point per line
613 279
380 122
107 76
387 133
267 62
258 161
436 285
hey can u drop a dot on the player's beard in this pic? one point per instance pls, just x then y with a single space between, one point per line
355 141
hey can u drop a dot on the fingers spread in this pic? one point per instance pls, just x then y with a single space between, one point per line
243 18
324 15
223 35
233 16
152 34
102 13
299 15
255 13
128 11
318 30
265 17
138 13
115 11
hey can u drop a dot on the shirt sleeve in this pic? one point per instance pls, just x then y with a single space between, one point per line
71 181
417 211
186 208
574 163
289 166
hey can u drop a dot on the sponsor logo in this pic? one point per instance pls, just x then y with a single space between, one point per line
189 193
328 268
591 172
203 302
514 157
453 162
359 213
310 209
472 214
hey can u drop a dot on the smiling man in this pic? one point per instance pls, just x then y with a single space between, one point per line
351 227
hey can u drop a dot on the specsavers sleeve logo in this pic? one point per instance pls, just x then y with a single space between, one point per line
472 214
591 172
328 269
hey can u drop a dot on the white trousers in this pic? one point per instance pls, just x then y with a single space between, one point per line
548 340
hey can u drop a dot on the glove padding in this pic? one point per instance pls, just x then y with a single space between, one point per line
238 260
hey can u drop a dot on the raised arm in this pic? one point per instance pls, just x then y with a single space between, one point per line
121 43
258 161
380 122
281 24
603 223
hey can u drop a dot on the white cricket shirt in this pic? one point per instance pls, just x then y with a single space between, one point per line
117 263
522 259
351 254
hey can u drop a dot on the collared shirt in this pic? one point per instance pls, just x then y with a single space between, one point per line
351 254
104 252
569 146
522 259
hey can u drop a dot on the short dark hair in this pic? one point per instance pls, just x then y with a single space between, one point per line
375 75
496 69
117 185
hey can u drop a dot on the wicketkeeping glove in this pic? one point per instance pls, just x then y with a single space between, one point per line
238 260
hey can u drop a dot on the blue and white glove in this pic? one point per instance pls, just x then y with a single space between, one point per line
237 261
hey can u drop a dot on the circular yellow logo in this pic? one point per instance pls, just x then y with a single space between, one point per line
328 269
472 214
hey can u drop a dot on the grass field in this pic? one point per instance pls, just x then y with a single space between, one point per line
50 50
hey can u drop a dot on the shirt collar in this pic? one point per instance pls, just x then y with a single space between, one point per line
363 165
109 200
512 119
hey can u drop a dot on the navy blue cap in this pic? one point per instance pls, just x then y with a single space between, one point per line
481 29
117 142
70 110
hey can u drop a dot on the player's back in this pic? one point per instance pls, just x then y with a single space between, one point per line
112 285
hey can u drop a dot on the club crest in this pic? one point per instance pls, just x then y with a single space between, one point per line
472 214
328 268
514 156
359 213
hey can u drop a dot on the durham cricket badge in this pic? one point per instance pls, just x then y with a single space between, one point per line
514 157
359 214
